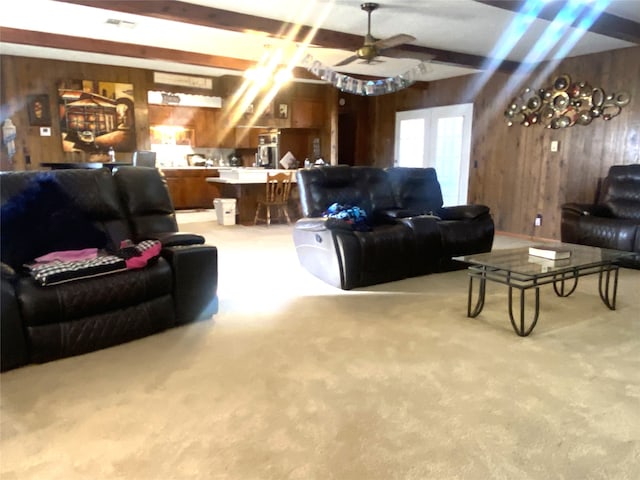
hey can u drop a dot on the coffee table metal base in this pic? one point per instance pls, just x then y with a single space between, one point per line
607 288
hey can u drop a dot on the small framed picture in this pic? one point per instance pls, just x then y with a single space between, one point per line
283 110
39 112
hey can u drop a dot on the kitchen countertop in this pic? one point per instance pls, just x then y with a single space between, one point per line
240 181
246 175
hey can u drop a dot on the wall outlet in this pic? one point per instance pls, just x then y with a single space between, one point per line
538 221
554 145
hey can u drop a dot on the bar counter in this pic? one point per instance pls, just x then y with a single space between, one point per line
250 187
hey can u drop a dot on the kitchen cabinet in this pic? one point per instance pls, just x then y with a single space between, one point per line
247 137
307 113
201 121
299 142
189 188
225 136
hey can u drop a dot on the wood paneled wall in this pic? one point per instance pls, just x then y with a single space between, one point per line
22 76
516 174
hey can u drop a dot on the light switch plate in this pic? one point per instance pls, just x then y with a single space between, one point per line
45 131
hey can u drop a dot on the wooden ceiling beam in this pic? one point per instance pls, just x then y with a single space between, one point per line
606 24
68 42
184 12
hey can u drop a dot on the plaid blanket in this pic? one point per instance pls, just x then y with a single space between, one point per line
129 256
56 272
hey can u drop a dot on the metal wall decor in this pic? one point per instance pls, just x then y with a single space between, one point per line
348 84
563 104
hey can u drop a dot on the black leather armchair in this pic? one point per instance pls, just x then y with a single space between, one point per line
410 232
613 220
43 323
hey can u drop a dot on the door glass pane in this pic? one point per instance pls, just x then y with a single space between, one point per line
438 137
411 148
449 156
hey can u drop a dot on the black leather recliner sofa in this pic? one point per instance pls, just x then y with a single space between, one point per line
43 323
410 232
613 220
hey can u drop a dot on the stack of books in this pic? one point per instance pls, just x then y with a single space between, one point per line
550 252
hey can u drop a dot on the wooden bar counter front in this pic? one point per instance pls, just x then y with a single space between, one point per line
247 185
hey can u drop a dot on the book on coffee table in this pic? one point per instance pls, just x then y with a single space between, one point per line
551 252
547 264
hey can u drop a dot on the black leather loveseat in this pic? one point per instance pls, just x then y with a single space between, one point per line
408 232
67 210
613 220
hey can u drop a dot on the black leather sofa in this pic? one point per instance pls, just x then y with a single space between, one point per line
43 323
613 220
409 231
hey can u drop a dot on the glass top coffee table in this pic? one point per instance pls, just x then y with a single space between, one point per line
517 269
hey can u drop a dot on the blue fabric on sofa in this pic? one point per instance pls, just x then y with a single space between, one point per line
49 218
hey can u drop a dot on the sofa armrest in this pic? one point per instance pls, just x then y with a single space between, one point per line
584 209
396 213
7 272
462 212
14 351
195 281
318 224
174 239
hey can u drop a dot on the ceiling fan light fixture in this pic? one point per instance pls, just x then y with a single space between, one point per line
373 47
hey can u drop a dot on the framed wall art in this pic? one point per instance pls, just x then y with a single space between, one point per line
39 111
96 115
283 110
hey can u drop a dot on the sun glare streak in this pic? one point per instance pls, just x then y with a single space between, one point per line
507 41
269 72
549 39
588 19
566 17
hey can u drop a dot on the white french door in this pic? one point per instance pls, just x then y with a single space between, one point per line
438 137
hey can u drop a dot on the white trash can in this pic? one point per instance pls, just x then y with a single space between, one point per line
225 210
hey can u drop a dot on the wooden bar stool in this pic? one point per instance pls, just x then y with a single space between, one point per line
278 188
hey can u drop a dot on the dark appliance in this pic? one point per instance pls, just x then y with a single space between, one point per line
268 149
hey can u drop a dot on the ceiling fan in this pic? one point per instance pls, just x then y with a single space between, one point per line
373 47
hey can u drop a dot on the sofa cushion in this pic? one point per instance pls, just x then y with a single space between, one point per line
145 197
462 212
41 219
623 197
91 296
319 187
416 188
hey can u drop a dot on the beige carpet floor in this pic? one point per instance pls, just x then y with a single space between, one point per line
294 379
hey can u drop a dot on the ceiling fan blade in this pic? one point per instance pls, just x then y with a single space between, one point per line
405 53
346 61
393 41
375 61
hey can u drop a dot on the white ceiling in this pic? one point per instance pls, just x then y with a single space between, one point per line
463 26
